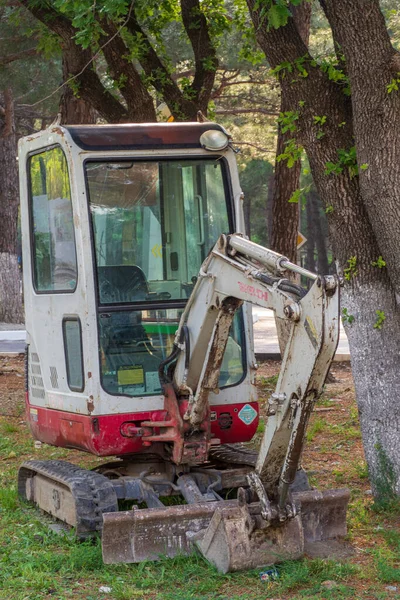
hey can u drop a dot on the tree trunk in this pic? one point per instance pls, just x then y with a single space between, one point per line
310 261
247 215
270 208
318 234
285 215
376 113
374 337
73 108
10 287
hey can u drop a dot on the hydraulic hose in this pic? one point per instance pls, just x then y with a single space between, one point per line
168 362
283 284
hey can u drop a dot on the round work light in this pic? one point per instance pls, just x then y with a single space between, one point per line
214 139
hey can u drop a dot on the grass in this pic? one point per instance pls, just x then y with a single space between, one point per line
316 426
37 564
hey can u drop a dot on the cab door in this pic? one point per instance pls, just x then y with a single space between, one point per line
53 298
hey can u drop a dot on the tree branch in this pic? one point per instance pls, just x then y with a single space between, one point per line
5 60
239 111
206 62
140 103
159 75
89 83
235 143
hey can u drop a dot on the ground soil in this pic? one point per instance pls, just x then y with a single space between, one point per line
333 458
11 386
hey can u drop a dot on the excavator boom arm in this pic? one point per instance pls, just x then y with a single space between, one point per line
230 276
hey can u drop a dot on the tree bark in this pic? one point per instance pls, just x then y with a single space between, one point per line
374 350
310 261
10 287
376 113
73 108
318 234
285 214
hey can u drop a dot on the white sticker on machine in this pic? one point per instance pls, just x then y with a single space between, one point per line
247 414
153 382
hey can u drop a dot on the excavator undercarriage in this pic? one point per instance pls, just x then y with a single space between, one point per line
232 534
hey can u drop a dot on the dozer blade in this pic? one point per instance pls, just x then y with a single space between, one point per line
230 535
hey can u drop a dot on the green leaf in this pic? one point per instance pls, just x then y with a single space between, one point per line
278 16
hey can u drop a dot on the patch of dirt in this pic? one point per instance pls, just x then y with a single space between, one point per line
12 384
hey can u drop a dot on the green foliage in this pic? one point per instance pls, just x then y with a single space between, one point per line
347 159
276 12
287 121
300 195
380 263
291 154
249 50
286 67
380 319
74 85
329 209
330 66
346 318
351 269
320 122
393 86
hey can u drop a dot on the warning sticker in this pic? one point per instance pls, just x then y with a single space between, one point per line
247 414
132 375
153 382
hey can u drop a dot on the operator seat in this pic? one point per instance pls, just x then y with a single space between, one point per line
123 338
122 284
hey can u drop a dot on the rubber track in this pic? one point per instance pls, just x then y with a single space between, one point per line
93 493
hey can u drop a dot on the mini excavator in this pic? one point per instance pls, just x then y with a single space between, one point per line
139 281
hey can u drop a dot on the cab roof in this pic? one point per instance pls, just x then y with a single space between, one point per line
138 136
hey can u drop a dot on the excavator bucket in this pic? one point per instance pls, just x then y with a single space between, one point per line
230 534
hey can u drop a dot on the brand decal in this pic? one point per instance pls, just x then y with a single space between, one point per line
247 414
252 291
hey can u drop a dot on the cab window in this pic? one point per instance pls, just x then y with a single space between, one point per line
52 225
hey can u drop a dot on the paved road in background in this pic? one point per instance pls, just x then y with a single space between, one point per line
12 340
265 337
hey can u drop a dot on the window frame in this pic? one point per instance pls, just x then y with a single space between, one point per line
164 304
76 319
32 245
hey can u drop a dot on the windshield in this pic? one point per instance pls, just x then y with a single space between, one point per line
154 223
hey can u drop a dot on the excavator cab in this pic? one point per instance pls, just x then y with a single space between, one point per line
117 221
138 283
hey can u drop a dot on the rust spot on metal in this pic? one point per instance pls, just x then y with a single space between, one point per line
90 404
58 130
